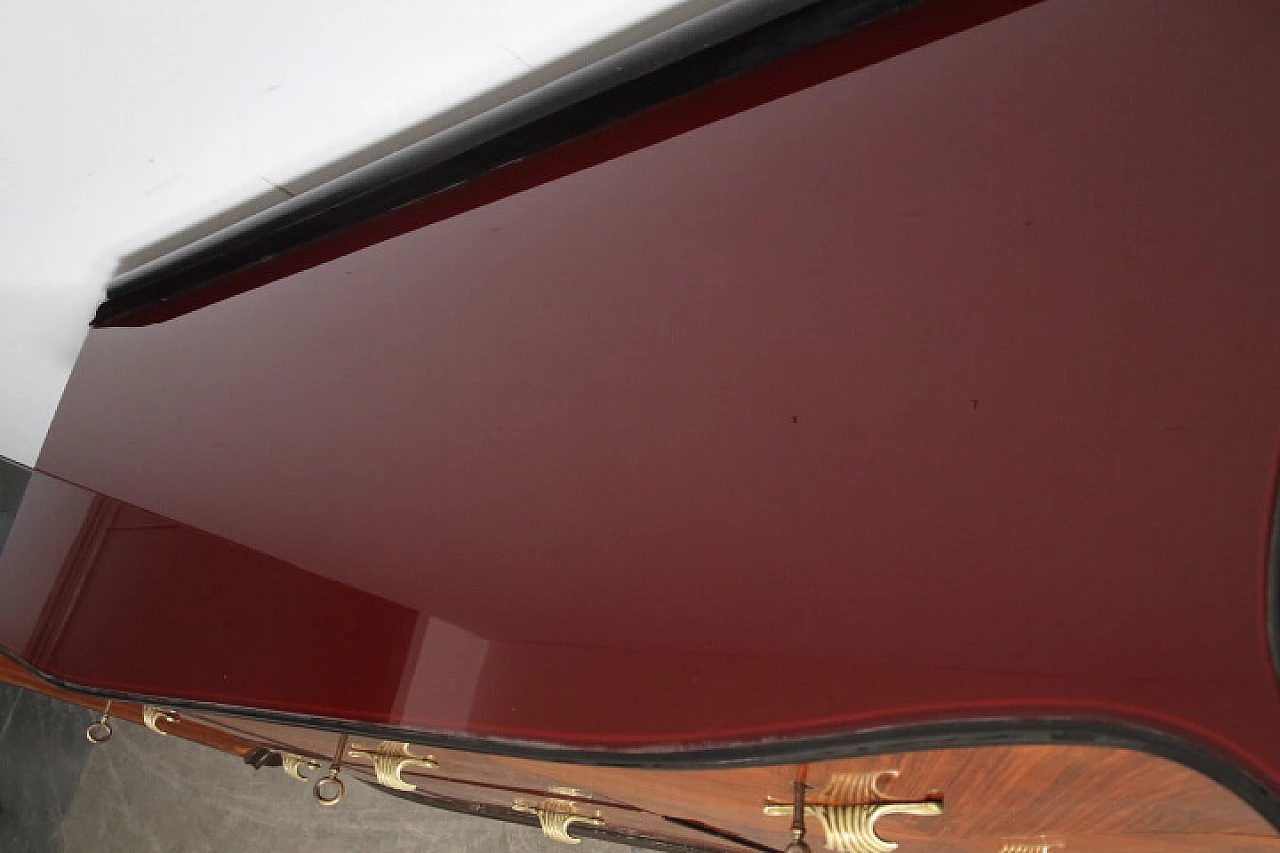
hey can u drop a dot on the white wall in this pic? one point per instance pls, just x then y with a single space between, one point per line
122 123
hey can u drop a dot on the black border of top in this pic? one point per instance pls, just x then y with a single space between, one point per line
719 44
908 737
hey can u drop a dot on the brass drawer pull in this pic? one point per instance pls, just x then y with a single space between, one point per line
555 817
153 716
389 760
293 765
849 808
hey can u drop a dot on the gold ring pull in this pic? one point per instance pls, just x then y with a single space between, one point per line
556 816
329 789
100 730
153 716
389 761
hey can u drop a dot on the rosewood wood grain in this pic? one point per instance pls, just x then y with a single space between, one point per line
1093 798
990 794
619 821
625 829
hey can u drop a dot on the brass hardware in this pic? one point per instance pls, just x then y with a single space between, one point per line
555 817
576 793
293 765
329 789
1033 845
389 760
849 808
100 731
153 716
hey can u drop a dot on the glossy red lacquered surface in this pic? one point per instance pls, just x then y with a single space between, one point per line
946 388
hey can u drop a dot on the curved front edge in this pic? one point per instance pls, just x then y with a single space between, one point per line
814 751
104 597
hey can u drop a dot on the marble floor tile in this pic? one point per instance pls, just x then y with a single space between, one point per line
43 754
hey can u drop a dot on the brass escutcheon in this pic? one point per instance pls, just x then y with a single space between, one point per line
555 818
153 716
389 761
293 765
850 806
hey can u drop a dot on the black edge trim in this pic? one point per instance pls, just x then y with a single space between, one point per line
5 460
712 47
910 737
732 837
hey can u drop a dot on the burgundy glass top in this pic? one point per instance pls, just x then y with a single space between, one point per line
946 387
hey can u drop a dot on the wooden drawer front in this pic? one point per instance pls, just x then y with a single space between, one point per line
1023 798
526 777
491 784
619 823
993 798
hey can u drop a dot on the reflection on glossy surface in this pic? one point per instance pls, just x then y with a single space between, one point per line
138 602
946 388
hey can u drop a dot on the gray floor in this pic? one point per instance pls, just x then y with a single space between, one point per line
143 793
